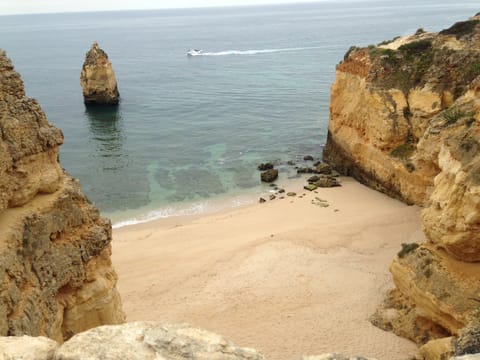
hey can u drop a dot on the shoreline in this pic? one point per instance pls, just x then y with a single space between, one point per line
204 207
287 277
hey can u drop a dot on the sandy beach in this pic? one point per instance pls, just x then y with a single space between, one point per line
289 277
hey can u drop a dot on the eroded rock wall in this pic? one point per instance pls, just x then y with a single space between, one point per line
56 277
405 119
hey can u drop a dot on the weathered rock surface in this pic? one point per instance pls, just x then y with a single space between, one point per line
438 349
27 348
97 78
405 120
149 340
56 277
468 341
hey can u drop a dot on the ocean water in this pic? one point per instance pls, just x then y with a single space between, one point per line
190 131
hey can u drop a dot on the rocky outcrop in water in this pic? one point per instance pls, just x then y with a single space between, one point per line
405 119
55 268
97 78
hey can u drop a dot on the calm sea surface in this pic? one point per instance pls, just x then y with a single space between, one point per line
190 131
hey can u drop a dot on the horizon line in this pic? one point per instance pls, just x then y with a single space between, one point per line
303 2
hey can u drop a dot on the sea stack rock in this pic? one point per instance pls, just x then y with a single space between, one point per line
57 276
405 120
98 79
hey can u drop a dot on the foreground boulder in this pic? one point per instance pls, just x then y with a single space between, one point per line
405 120
137 340
335 357
57 276
97 78
27 348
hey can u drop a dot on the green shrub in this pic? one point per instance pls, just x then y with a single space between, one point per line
461 28
420 31
407 249
416 48
475 68
453 114
349 51
403 151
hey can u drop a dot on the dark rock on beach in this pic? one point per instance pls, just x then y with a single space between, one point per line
269 175
310 187
305 170
326 181
323 168
265 166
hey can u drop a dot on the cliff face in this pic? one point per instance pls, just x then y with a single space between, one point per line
385 100
97 78
56 277
405 119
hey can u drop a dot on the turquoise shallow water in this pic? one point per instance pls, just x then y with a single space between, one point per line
189 132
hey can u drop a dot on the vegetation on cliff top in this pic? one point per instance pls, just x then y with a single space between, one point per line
461 28
419 62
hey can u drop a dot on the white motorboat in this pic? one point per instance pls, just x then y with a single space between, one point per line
194 52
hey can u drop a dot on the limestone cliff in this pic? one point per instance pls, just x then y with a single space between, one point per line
56 277
97 78
405 119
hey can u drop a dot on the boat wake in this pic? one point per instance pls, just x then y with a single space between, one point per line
248 52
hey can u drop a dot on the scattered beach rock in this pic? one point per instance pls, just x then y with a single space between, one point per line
291 163
323 168
291 193
261 200
272 197
273 185
265 166
281 191
313 179
320 202
305 170
326 181
97 79
308 158
310 187
269 175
